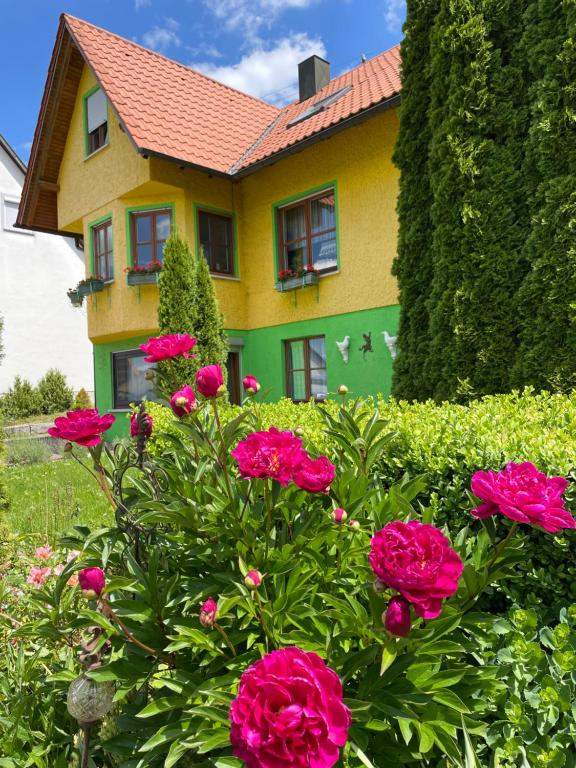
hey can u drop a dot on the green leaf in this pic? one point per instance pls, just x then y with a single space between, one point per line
470 759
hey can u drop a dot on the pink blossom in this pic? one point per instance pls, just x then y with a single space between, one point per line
417 560
84 427
397 619
38 576
210 381
160 348
339 515
183 401
58 569
72 555
92 580
73 580
251 385
253 579
44 553
289 713
314 475
134 425
523 494
272 454
208 613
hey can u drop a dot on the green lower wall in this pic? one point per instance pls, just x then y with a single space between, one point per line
263 356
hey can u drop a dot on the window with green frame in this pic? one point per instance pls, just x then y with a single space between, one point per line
305 368
102 250
307 233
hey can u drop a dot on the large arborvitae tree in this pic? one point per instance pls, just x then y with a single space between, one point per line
177 309
413 265
208 320
547 299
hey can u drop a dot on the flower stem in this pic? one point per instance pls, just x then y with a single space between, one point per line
502 545
226 638
109 613
260 612
223 456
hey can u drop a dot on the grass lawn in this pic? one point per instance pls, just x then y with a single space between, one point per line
46 499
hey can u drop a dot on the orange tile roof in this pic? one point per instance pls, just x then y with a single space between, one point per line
168 108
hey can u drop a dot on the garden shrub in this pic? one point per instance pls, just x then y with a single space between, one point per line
54 393
213 564
82 401
21 400
27 450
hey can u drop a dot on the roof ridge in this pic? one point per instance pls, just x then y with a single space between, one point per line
67 16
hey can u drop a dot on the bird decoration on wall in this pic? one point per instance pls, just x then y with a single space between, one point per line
367 346
390 343
343 347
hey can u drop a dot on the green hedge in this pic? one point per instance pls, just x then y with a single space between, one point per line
447 444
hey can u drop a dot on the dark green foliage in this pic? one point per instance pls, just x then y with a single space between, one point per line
21 401
413 265
82 401
208 320
54 393
547 299
176 309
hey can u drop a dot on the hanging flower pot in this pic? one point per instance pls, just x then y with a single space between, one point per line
93 284
76 298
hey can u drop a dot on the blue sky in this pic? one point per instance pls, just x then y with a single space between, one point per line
254 45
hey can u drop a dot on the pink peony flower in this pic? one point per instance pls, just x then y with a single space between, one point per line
164 347
210 381
314 475
289 713
253 579
92 580
397 619
38 576
339 515
522 493
183 401
58 569
251 385
272 454
84 427
417 560
44 553
208 613
72 555
134 425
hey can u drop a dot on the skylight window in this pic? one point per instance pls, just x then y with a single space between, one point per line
320 106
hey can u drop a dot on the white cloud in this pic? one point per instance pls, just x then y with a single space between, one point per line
268 73
160 38
394 14
249 16
141 4
26 145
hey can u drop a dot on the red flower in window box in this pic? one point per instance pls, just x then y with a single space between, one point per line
151 267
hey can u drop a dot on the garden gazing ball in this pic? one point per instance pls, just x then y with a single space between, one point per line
88 701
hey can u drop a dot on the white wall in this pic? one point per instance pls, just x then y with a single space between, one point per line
41 328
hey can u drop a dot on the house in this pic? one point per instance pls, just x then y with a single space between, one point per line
41 330
130 144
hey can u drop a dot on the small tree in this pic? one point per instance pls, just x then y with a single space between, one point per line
82 401
208 320
54 393
176 310
21 400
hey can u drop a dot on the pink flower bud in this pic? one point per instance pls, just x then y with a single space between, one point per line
251 385
208 613
134 425
342 389
354 524
210 381
339 515
396 618
92 582
183 401
299 431
253 579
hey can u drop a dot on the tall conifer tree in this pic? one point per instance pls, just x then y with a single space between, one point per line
208 320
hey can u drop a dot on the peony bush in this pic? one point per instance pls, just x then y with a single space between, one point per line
261 602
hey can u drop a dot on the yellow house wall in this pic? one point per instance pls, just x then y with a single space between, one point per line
116 178
360 161
87 183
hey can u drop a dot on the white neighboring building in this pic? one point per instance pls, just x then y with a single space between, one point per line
41 328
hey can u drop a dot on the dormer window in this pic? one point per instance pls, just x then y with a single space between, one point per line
96 114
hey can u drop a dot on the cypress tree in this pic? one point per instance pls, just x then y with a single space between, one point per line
176 308
478 218
208 320
413 264
547 298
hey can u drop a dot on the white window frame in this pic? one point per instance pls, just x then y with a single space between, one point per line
5 226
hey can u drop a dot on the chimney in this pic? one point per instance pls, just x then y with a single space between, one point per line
313 74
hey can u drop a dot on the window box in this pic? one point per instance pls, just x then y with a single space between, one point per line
76 298
142 278
300 281
90 285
